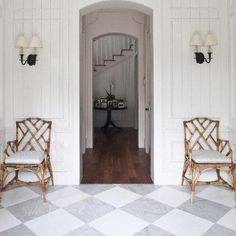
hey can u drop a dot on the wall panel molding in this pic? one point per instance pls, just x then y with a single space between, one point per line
194 88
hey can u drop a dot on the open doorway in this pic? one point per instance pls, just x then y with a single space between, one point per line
117 73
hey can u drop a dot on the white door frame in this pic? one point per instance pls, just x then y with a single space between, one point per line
76 7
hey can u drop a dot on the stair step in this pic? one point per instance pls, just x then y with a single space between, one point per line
100 65
108 60
117 55
125 52
126 49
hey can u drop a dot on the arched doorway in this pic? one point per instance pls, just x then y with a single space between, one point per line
91 7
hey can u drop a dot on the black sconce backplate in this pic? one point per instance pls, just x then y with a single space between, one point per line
32 59
200 58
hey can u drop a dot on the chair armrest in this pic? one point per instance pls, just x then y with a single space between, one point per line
188 149
9 149
225 148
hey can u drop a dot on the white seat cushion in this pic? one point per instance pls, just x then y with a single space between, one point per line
25 157
209 156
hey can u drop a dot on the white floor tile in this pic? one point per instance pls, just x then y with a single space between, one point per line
7 220
55 223
183 224
17 195
66 196
169 196
218 195
117 196
118 223
229 220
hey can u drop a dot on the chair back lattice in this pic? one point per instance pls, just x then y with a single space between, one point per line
203 133
33 134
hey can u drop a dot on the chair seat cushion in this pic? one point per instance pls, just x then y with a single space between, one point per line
26 157
209 156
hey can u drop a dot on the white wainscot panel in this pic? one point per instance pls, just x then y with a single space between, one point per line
177 151
60 146
174 157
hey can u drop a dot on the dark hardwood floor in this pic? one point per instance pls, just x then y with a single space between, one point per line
116 158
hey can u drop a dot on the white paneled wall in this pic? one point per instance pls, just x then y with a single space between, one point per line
41 90
196 90
181 88
191 89
42 84
232 21
121 75
2 133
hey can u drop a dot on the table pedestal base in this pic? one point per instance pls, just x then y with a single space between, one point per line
109 121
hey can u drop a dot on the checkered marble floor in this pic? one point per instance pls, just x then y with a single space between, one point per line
118 210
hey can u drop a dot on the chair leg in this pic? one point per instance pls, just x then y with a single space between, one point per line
193 183
233 172
185 167
1 183
50 172
218 174
235 187
42 182
16 175
2 178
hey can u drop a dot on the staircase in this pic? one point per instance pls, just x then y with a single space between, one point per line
110 54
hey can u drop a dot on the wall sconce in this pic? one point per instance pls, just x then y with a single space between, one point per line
22 44
197 43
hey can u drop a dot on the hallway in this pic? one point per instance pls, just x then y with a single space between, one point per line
116 158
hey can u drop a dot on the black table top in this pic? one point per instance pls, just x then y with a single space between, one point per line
110 108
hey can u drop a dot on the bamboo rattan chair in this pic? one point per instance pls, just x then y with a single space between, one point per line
205 150
29 152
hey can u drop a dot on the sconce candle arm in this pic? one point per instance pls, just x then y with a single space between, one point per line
208 60
23 62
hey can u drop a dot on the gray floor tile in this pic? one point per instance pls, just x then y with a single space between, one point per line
152 230
85 231
141 189
20 230
31 209
89 209
218 230
147 209
205 209
94 189
144 208
186 188
50 189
